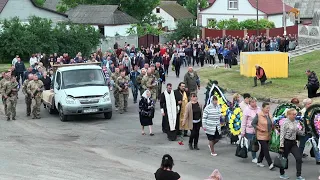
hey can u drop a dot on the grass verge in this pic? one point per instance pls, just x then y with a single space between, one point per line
283 89
5 67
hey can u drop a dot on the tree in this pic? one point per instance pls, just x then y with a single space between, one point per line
191 5
39 2
185 28
251 24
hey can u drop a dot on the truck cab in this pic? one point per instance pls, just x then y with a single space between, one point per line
79 89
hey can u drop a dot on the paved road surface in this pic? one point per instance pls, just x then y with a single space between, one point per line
89 147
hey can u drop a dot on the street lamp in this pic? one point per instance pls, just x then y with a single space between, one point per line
257 17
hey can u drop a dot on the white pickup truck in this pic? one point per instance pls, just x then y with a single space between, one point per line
78 89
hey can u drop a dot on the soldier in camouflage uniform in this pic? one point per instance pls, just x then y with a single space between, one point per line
28 99
114 78
122 84
149 82
35 88
139 80
5 79
10 93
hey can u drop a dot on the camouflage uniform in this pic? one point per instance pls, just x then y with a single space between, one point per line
159 85
10 89
114 77
122 84
139 81
28 99
2 82
32 89
150 82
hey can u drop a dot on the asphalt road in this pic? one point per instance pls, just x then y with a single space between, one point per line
89 147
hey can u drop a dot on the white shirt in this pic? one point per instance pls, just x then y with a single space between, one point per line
33 60
212 52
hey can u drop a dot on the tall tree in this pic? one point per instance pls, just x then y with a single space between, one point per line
191 5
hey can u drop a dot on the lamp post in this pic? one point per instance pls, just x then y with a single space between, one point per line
257 1
198 21
284 18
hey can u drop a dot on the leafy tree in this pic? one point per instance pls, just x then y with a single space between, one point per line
265 23
249 24
212 24
191 5
39 2
185 28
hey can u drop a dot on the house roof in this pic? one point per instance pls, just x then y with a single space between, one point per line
51 4
270 7
3 3
175 10
307 7
99 15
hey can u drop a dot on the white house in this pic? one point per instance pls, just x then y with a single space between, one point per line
243 10
171 12
107 18
23 9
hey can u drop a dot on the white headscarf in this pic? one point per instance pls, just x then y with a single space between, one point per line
145 94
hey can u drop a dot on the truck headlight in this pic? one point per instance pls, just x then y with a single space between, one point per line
70 100
105 98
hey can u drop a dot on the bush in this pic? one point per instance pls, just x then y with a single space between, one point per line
233 24
185 29
40 35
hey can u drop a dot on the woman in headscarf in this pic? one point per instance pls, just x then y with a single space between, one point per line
211 123
146 111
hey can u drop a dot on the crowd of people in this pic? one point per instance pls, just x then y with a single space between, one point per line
144 71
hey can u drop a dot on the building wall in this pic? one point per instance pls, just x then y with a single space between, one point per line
277 19
167 18
219 11
110 41
111 31
24 9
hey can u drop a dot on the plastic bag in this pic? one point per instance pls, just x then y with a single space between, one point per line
274 144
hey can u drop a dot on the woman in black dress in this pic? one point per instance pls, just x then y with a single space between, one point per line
146 111
165 171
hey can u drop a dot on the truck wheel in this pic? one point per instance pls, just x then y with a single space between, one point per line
62 117
50 110
107 115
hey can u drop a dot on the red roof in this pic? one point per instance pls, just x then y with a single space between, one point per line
211 1
3 4
270 7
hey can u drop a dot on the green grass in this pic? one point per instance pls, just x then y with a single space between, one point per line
5 67
282 88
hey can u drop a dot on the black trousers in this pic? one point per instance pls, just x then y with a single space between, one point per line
220 57
195 59
177 70
194 137
212 60
312 91
264 152
202 62
255 80
19 75
166 69
290 146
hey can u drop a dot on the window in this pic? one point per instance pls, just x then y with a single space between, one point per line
233 4
101 29
157 10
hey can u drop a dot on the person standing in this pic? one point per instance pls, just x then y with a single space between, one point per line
313 84
211 123
247 129
181 101
245 103
193 117
176 61
10 93
33 60
139 80
288 142
195 56
262 123
169 113
201 55
162 78
3 81
122 84
35 88
166 62
146 111
114 78
135 87
192 82
28 99
20 69
165 171
212 53
149 82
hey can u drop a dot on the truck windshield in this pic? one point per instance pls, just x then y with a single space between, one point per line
83 77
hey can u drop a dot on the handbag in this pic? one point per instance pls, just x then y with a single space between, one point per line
253 145
280 162
242 150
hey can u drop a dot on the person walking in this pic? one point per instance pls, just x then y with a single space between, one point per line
4 80
134 83
192 82
313 84
212 53
35 88
176 62
166 62
211 123
181 101
139 80
247 129
10 93
114 78
245 103
193 118
146 111
201 55
20 69
288 142
28 99
165 171
262 123
169 113
149 82
122 84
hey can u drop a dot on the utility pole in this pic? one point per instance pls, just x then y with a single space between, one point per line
284 18
198 21
257 1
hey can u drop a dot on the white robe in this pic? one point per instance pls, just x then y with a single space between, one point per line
171 109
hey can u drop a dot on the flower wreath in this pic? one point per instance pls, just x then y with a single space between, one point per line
235 121
316 123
